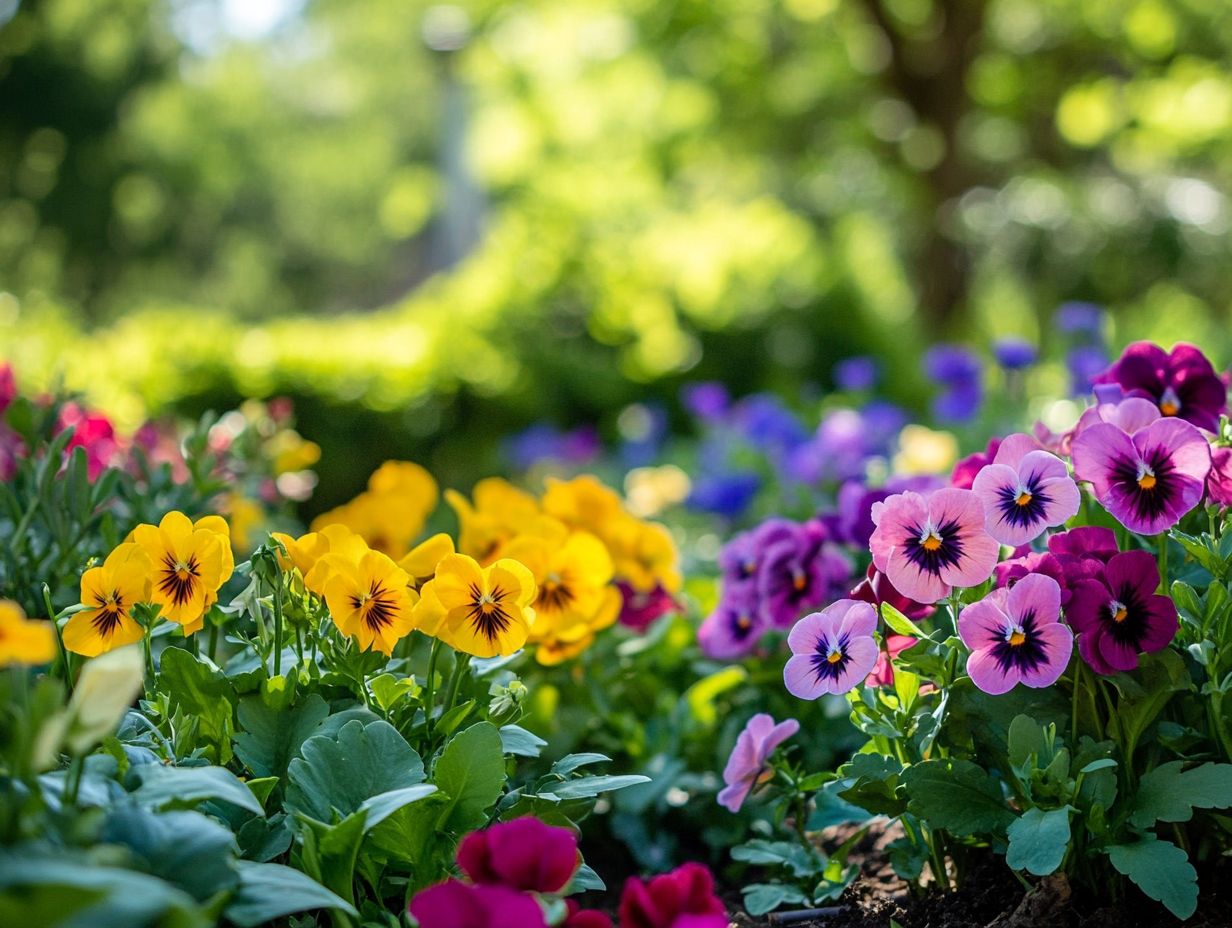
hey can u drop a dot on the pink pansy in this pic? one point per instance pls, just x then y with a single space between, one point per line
1147 480
1016 636
965 470
1219 480
1025 491
1118 614
747 765
883 671
683 898
928 545
454 904
523 853
832 650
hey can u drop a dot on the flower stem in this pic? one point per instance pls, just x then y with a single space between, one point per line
278 625
1163 563
60 649
430 686
461 663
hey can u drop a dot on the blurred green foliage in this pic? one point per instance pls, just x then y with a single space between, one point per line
739 189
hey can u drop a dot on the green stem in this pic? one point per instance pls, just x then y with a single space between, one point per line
278 626
149 660
430 685
461 663
72 780
213 646
60 649
1163 563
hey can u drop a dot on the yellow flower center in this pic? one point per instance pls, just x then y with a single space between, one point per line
1017 637
1147 481
1024 499
744 623
1119 612
799 581
834 657
930 542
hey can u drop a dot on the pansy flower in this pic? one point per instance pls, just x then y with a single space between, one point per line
1219 480
23 641
1182 382
110 592
735 626
454 904
832 650
1016 636
928 545
573 571
639 610
746 768
799 572
369 599
484 611
1118 614
523 853
741 557
684 898
1025 491
876 588
965 470
1147 480
189 563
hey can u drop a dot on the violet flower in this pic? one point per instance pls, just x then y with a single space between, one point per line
1078 554
1014 354
683 898
523 854
856 373
958 371
800 572
1181 383
454 904
1085 363
639 610
927 545
707 401
1016 636
747 766
832 650
1118 614
1147 480
1077 318
1219 480
965 470
1025 491
735 626
8 386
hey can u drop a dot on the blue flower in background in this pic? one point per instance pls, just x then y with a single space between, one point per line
545 442
958 372
1076 318
724 494
1014 354
643 428
882 422
707 401
1084 364
766 423
855 374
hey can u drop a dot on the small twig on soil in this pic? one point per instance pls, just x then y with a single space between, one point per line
804 915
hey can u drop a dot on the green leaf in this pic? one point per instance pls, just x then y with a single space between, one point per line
875 781
187 849
471 771
780 854
271 738
341 773
520 742
1162 871
587 787
760 898
169 787
329 852
409 835
900 623
1026 739
383 806
907 858
202 693
1038 840
958 796
570 762
271 891
584 879
1145 692
1169 794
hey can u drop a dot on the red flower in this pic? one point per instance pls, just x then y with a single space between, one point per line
683 898
639 610
585 918
92 431
454 904
522 854
8 386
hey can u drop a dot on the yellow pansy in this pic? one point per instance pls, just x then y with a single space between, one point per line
189 565
244 515
334 539
572 641
583 502
499 511
24 641
369 600
302 552
391 512
645 555
572 570
290 452
420 563
408 480
487 610
111 591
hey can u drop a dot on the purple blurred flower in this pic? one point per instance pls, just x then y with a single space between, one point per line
544 442
958 371
1078 318
735 626
1147 480
832 650
851 522
8 386
724 494
1182 383
855 374
741 558
1016 636
1085 364
747 765
1025 491
966 469
643 427
639 610
1118 614
1014 354
800 572
707 401
766 423
927 545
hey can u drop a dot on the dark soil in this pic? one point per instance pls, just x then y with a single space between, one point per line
991 897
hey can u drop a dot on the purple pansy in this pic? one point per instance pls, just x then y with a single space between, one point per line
1025 490
638 609
958 371
858 373
707 401
965 470
1014 354
1016 636
832 650
1182 382
799 572
927 545
851 522
741 558
1147 480
1118 614
746 767
735 626
725 494
1219 480
1085 363
1078 554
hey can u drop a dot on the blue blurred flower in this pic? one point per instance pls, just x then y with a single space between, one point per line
707 401
724 494
882 423
643 427
858 373
1014 354
958 371
1084 364
767 424
1076 318
545 442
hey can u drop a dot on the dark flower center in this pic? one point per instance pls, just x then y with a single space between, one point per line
1149 484
829 659
554 595
179 578
1021 647
487 613
1127 617
377 607
1024 504
931 549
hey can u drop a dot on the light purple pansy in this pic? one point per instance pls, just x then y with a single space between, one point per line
832 650
735 626
928 545
746 768
1016 636
1025 490
1147 480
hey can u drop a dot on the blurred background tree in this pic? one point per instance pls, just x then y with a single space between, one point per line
438 223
